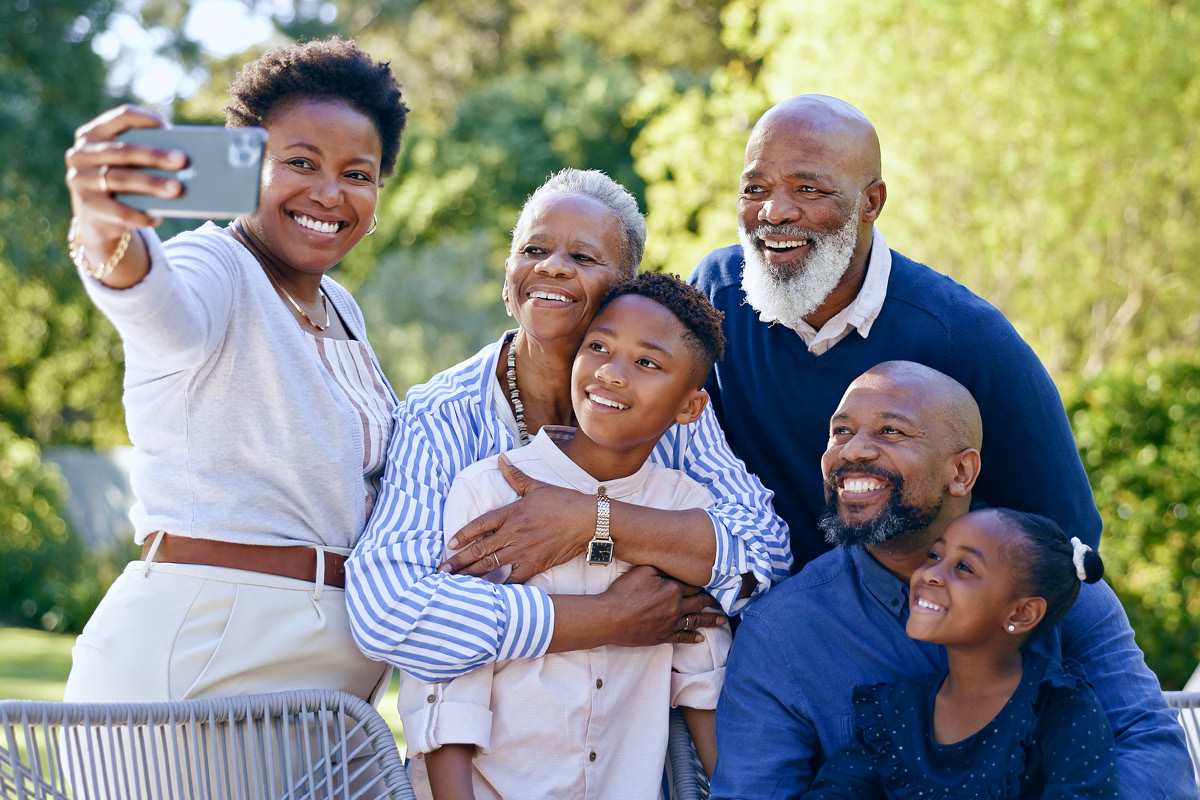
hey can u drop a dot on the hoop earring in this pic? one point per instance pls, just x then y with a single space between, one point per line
374 224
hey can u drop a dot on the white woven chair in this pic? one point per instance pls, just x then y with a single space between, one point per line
1188 704
298 745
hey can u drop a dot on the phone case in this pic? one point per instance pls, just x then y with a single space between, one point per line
222 176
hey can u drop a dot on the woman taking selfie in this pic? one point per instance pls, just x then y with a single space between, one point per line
258 413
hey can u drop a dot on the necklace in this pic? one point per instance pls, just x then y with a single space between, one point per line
295 305
249 245
513 393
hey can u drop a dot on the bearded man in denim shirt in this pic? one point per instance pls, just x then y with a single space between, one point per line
903 456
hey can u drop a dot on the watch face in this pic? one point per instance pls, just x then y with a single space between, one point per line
600 552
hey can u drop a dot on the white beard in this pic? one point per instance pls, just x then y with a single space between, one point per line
787 293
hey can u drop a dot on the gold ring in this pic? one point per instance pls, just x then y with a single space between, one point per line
104 178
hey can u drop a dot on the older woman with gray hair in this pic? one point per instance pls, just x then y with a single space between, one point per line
577 235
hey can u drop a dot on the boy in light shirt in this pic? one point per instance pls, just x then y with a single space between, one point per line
586 723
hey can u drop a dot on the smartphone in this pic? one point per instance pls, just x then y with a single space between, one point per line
222 175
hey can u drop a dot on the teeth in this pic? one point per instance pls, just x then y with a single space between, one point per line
604 401
562 298
786 245
857 485
314 225
923 603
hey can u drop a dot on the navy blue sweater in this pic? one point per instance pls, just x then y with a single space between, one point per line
774 398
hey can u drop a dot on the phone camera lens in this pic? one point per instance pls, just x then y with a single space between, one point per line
244 151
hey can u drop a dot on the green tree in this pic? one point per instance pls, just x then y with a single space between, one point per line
1044 154
1137 428
502 94
59 378
47 578
59 359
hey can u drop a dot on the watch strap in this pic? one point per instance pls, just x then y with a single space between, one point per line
600 548
603 505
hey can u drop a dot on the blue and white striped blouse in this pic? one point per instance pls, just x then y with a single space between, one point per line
437 626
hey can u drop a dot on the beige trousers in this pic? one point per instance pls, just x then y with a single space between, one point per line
179 631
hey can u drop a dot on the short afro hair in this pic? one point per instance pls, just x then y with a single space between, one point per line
701 322
333 69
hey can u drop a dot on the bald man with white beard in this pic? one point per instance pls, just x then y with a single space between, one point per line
813 297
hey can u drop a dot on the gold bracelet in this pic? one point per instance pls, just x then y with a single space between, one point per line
79 255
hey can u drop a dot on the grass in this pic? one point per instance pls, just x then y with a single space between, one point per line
34 666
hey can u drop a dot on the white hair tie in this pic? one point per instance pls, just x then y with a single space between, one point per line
1078 551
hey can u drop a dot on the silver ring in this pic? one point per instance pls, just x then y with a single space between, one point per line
687 622
104 178
497 557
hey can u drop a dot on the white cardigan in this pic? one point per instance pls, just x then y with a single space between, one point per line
239 433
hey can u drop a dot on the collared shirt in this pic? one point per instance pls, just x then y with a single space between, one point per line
863 309
594 722
437 626
841 622
774 398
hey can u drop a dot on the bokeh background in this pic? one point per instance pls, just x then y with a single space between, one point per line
1043 152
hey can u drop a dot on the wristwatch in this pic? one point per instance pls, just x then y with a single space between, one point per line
600 548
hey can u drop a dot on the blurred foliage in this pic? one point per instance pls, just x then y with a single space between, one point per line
430 305
1043 152
48 579
60 374
1138 428
502 95
50 82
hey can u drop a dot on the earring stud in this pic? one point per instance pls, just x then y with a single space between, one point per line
1012 628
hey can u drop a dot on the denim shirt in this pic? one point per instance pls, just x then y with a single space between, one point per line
801 649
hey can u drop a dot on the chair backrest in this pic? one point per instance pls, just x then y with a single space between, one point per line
298 745
685 776
1188 704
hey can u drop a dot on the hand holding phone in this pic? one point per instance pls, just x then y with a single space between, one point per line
222 176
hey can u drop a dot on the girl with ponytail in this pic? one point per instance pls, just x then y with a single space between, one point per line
1002 721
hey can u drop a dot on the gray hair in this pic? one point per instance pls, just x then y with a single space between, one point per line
616 198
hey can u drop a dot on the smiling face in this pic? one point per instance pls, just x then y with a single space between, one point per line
966 593
809 194
319 185
886 465
634 377
797 187
566 253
